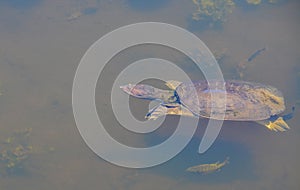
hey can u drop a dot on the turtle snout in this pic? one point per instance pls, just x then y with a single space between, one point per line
134 90
127 88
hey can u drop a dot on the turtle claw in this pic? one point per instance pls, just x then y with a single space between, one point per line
278 125
150 117
156 112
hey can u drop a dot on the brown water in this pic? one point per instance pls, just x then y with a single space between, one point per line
41 49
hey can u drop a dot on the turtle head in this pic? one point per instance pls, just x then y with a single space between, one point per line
150 93
139 90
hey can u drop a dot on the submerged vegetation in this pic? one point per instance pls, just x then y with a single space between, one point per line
215 12
257 2
15 153
254 2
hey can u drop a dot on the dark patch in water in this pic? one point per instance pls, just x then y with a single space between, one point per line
90 11
20 4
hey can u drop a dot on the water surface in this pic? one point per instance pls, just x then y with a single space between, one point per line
41 48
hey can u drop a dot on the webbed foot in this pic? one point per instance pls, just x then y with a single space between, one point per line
168 109
278 125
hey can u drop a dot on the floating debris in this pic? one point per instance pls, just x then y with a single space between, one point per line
208 168
213 10
74 16
82 11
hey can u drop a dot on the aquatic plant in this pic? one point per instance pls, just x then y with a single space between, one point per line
213 10
254 2
14 153
257 2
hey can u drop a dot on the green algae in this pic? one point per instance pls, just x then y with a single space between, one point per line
216 12
213 10
14 152
254 2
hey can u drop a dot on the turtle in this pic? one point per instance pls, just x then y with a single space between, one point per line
245 101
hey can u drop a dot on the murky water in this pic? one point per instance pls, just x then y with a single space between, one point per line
42 43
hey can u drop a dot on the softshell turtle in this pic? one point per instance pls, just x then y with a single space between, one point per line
246 101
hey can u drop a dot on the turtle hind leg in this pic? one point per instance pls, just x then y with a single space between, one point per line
169 109
277 123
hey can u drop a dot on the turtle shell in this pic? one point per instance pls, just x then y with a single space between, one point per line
245 101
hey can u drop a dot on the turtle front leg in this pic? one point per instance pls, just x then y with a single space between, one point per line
169 109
